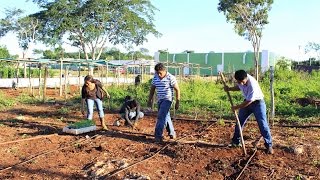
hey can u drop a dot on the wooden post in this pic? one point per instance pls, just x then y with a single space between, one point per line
45 83
61 86
79 76
272 114
180 72
18 72
235 114
30 85
65 82
39 89
107 74
25 70
55 88
142 76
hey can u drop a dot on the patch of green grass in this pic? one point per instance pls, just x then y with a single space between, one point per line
221 122
26 99
64 110
6 102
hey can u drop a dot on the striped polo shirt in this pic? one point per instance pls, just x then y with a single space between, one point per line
164 86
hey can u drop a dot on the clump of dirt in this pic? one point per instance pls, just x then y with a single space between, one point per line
103 168
135 176
221 166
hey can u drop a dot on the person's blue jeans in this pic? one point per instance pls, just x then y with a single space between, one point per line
258 108
90 103
164 119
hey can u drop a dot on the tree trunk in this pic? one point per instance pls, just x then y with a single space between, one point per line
39 89
256 69
18 72
256 61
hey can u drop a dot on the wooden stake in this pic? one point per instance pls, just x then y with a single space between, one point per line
235 113
44 95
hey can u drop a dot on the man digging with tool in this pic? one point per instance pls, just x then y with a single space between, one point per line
253 103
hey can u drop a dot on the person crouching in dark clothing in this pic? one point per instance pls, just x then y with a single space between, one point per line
130 111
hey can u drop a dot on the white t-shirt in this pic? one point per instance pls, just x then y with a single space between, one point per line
251 90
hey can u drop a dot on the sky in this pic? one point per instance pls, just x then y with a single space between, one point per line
197 25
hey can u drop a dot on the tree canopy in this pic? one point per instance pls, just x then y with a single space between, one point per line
24 27
90 25
249 18
313 47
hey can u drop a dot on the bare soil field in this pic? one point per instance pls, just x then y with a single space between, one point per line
33 146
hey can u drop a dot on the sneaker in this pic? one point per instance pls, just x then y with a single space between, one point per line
269 150
172 136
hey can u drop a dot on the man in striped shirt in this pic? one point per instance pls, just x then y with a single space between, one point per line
164 83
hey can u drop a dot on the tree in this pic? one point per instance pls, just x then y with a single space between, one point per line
90 25
313 47
4 53
249 18
283 64
24 26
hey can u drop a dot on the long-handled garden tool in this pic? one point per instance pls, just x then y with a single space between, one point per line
235 114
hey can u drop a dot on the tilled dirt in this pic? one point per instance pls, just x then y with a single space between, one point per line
203 153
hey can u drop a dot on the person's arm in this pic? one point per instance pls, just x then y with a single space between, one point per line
82 106
108 95
152 90
177 90
83 99
137 112
126 116
242 105
99 84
